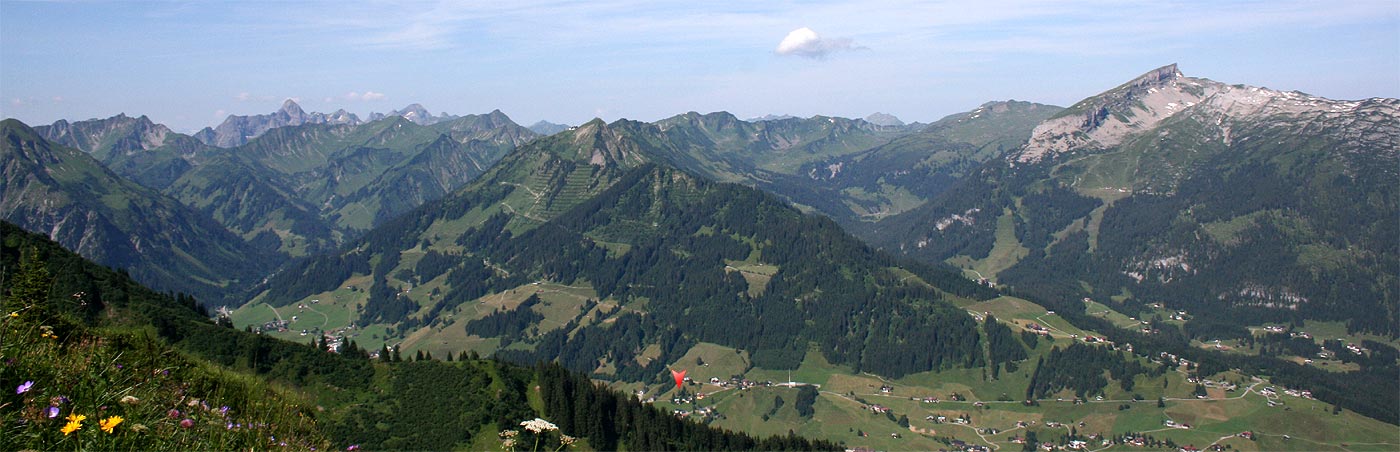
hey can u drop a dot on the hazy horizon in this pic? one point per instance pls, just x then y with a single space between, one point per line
190 64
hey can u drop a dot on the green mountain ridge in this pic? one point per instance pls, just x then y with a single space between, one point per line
911 169
600 208
303 188
73 198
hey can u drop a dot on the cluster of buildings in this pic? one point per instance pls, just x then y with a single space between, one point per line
738 383
278 325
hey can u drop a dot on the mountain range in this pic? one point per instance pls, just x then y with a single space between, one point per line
1165 214
237 130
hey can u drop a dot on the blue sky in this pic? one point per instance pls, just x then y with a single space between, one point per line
189 64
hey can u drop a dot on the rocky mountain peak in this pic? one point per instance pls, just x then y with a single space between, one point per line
547 128
415 110
1156 76
104 137
416 113
1104 120
605 145
884 119
290 106
237 130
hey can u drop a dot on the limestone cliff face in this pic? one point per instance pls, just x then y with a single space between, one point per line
1103 121
1119 115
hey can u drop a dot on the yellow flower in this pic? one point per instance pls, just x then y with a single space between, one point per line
71 426
75 417
14 314
110 423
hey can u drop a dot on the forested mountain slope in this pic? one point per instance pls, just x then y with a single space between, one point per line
668 259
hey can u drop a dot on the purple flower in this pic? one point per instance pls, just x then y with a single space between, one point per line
53 412
223 409
173 413
24 387
187 423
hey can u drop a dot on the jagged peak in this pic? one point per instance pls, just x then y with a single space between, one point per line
290 106
498 117
415 108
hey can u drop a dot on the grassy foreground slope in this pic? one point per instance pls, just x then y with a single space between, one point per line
159 374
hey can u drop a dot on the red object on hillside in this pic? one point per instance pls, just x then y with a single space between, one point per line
679 376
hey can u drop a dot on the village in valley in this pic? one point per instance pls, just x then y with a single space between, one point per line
968 411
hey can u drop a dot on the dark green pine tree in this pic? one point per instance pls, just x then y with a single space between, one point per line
31 286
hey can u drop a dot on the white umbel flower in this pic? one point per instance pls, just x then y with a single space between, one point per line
538 425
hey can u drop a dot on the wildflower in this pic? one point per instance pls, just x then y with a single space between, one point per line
75 417
138 428
71 427
24 387
53 412
509 434
566 440
353 447
187 423
223 410
538 425
192 403
110 423
173 413
14 314
130 400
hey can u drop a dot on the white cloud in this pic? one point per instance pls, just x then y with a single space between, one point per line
220 114
366 96
244 97
807 43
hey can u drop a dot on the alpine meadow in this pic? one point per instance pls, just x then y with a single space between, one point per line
1162 262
